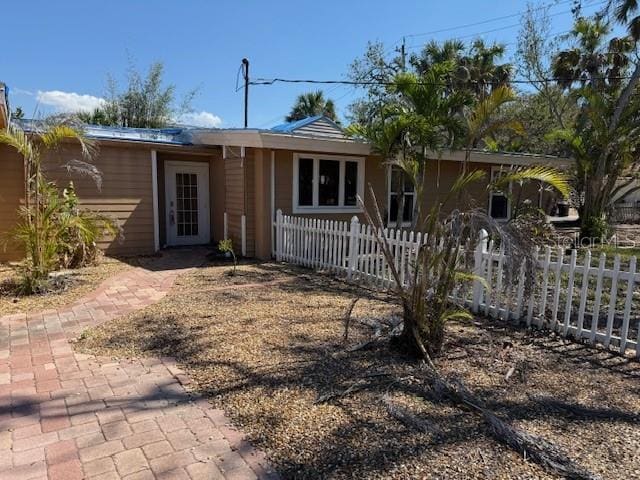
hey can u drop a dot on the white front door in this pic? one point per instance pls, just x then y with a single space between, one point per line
187 203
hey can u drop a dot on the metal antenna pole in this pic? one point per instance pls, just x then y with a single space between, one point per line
245 63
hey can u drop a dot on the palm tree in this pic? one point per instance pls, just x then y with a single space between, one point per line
435 52
624 14
627 13
483 72
311 104
420 121
484 119
604 140
477 69
36 215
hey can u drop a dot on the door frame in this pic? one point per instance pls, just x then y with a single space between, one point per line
204 205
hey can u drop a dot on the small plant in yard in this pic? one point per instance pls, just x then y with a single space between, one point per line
421 119
53 230
226 246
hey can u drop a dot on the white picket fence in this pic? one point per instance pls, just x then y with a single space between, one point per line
599 303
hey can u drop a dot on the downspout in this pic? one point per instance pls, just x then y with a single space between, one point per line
272 189
154 193
243 219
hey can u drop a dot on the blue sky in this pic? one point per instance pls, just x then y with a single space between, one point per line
60 52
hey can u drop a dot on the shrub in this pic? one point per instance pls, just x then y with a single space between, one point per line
226 246
80 231
52 228
58 235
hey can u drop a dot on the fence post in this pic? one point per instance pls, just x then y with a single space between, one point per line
279 235
354 237
481 249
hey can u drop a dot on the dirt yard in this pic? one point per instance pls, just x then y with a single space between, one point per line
76 284
268 354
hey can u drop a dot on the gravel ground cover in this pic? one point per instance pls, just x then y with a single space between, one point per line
77 283
267 355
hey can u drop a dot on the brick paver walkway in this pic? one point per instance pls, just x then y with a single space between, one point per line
68 416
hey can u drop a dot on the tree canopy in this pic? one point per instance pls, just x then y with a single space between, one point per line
146 102
311 104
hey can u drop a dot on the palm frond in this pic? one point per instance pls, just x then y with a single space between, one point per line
53 137
542 173
14 137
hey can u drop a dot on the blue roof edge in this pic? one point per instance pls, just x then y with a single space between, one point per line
169 135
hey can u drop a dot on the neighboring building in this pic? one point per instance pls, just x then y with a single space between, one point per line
4 106
184 186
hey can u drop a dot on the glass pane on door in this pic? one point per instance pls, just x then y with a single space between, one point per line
187 204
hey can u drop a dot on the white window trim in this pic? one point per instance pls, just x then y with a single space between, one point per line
315 208
498 169
391 223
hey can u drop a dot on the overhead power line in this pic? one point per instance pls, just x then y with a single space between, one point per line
272 81
510 26
484 22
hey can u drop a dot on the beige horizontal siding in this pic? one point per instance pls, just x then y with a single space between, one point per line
126 193
234 199
11 193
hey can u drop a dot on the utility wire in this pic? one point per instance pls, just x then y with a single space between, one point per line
484 22
272 81
513 25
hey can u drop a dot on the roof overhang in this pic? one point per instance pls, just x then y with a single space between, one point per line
4 107
505 158
279 141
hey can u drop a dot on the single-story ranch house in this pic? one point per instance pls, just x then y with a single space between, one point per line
185 186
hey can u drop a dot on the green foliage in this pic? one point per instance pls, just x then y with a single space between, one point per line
541 173
531 111
595 228
376 68
444 263
476 68
18 113
311 104
595 59
421 118
64 236
485 119
605 137
54 231
145 102
80 230
226 246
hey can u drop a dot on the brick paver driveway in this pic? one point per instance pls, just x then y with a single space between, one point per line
69 416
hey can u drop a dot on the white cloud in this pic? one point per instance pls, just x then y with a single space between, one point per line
200 119
69 101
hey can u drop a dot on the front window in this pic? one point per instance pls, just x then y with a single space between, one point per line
305 181
499 202
326 183
400 183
